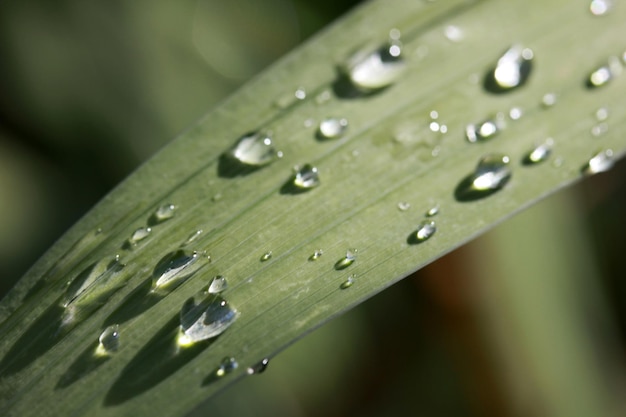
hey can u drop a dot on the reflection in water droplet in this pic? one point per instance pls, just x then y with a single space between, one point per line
491 174
173 268
539 154
316 255
433 211
600 162
332 128
424 231
218 284
348 282
600 7
404 205
266 256
306 177
139 235
109 340
511 71
370 71
483 131
258 368
604 74
254 150
165 212
454 33
548 100
227 365
347 260
204 316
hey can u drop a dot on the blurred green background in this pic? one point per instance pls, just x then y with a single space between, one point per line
528 320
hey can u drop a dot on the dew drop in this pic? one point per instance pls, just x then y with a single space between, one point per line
604 74
454 33
404 205
227 365
316 255
511 71
94 282
483 131
433 211
332 128
347 260
602 114
306 177
600 7
259 367
254 149
424 231
300 93
491 174
203 317
109 340
539 154
173 268
548 100
139 235
515 113
369 71
600 162
599 129
266 256
165 212
192 237
348 282
218 284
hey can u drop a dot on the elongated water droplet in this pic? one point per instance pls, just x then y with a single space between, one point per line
266 256
424 231
227 365
491 174
316 255
347 260
604 74
483 131
254 149
369 71
95 281
139 235
539 154
163 213
203 317
192 237
404 205
259 367
332 128
348 282
511 71
218 284
600 7
433 211
109 340
600 162
173 268
306 177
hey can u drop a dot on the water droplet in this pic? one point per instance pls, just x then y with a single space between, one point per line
163 213
300 93
288 99
604 74
227 365
599 129
93 282
173 268
348 282
491 174
347 260
600 162
454 33
316 255
602 114
600 7
266 256
424 231
332 128
323 97
515 113
218 284
548 100
539 154
433 211
306 177
511 71
259 367
483 131
139 235
254 150
203 317
192 237
404 205
109 340
369 71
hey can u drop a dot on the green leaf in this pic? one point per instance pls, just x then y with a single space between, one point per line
393 163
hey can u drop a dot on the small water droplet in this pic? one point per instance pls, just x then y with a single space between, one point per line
203 317
306 177
332 128
404 205
539 154
192 237
173 268
163 213
483 131
515 113
424 231
604 74
227 365
511 71
259 367
316 255
600 162
109 340
266 256
300 93
600 7
599 129
602 114
433 211
454 33
348 282
139 235
323 97
491 174
548 100
369 71
347 260
254 150
218 284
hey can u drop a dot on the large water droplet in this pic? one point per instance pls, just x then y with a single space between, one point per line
218 284
203 317
600 162
254 150
604 74
173 268
259 367
332 128
227 365
491 174
511 71
109 340
347 260
94 281
539 154
600 7
368 71
424 231
163 213
483 131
